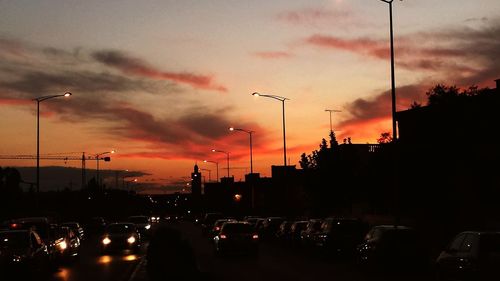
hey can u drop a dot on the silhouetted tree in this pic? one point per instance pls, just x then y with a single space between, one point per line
385 138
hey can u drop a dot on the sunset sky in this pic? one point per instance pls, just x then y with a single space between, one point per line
161 81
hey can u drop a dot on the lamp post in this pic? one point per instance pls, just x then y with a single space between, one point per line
209 174
393 82
282 99
38 101
330 111
250 134
216 164
97 164
227 154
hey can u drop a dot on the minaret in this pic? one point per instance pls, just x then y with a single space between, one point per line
196 182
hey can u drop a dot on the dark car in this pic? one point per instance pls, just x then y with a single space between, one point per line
77 229
393 247
95 225
142 223
471 256
296 230
43 227
307 235
284 231
208 221
217 227
22 251
119 237
340 236
68 242
270 227
236 237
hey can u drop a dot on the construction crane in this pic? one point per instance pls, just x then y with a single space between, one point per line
60 156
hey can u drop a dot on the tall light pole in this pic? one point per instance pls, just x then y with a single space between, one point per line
227 154
250 134
393 82
97 164
217 167
282 99
209 174
330 111
38 101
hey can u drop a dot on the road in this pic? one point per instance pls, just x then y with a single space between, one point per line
92 266
275 262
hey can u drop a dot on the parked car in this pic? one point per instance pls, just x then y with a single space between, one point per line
22 251
270 227
119 237
217 227
296 230
340 236
236 237
284 231
471 255
393 247
307 235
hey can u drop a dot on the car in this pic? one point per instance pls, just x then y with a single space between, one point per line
208 221
340 236
22 251
95 225
68 241
236 237
120 237
217 227
44 228
284 231
269 227
307 235
295 231
471 255
393 247
77 229
142 223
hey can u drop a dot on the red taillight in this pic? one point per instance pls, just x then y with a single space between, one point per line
222 236
255 236
217 228
14 225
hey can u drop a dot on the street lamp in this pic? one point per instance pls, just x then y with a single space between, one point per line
216 164
330 111
393 82
209 174
38 101
250 134
97 164
227 154
282 99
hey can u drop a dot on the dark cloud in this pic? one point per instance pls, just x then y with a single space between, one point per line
135 66
38 82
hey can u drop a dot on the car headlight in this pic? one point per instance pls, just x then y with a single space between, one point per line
106 241
62 245
131 240
147 226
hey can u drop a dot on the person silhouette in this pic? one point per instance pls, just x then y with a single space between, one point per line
349 140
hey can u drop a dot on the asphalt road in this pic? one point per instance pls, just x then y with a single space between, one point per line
92 266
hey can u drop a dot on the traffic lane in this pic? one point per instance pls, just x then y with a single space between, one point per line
91 265
277 262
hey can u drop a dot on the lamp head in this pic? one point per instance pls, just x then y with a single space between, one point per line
256 94
113 151
67 94
213 150
205 161
231 128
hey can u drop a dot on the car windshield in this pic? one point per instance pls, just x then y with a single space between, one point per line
138 219
18 239
120 228
237 228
